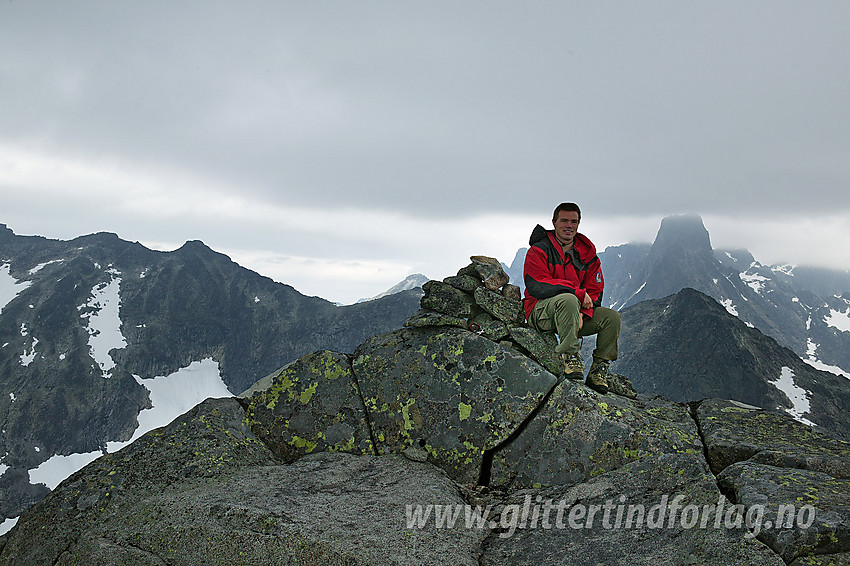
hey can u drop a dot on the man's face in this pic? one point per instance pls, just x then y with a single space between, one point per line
566 226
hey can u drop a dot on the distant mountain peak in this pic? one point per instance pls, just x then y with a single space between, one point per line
683 231
410 282
194 245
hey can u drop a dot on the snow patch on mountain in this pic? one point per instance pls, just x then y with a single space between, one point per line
838 319
41 266
57 468
176 393
754 280
28 357
812 360
817 364
171 396
729 306
104 324
9 286
7 525
798 396
636 292
787 269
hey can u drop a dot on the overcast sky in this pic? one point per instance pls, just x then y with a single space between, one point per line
340 146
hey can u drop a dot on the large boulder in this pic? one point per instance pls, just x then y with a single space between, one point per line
445 299
312 404
803 511
625 517
735 432
796 477
447 391
505 309
325 509
579 434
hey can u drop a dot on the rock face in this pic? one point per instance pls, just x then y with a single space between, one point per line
436 445
313 404
447 391
645 536
579 434
792 474
204 490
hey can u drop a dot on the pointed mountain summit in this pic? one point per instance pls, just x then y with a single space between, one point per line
682 233
515 269
680 257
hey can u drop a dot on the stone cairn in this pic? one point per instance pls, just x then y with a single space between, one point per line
481 299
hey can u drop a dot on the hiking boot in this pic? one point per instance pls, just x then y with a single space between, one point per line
573 366
597 377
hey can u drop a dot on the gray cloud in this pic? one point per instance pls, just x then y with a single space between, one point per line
435 109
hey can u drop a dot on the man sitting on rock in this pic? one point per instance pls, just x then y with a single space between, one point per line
563 293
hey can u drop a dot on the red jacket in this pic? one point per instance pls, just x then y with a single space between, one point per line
548 272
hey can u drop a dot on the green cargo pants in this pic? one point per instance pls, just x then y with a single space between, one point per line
561 314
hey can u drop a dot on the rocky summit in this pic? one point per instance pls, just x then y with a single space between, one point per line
449 442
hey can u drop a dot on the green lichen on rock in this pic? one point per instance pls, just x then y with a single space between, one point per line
465 283
424 317
445 299
617 536
734 433
579 434
470 394
540 346
312 404
809 511
505 309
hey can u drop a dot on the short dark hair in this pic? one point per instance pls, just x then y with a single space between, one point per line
569 207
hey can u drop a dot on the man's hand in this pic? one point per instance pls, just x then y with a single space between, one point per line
587 302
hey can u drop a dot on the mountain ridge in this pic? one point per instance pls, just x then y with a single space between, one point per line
67 383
